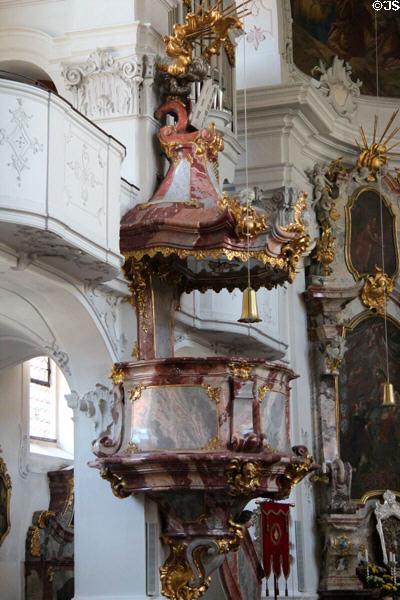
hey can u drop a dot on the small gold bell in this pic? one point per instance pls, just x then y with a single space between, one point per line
249 307
387 395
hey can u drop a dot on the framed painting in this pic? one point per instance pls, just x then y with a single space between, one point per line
363 250
369 433
5 497
346 28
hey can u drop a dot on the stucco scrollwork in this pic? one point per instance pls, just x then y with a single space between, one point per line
104 86
336 84
104 407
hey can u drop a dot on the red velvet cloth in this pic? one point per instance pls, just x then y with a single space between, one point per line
275 532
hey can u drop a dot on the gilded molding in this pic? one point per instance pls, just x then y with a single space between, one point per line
243 370
243 477
376 291
243 255
35 541
117 375
117 483
135 351
5 482
357 276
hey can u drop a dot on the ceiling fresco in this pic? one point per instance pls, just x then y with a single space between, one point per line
346 28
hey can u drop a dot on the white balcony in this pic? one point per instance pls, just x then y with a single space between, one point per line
60 184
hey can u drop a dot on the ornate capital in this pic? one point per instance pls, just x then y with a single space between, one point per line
104 86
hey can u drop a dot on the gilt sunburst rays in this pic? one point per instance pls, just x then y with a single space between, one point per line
373 157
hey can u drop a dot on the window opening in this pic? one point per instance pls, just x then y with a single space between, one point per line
42 400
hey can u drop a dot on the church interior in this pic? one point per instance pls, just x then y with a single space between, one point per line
199 299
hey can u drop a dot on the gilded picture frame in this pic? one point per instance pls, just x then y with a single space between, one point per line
364 427
363 245
5 499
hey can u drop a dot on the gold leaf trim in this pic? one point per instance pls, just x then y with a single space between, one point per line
243 477
248 224
117 375
35 542
243 370
117 483
376 291
136 392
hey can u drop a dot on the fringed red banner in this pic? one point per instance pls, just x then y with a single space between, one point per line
275 532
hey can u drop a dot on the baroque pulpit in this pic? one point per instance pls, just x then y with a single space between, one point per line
199 436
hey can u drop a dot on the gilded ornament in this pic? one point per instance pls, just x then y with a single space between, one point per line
209 25
232 544
5 489
242 370
43 517
243 477
135 351
297 225
176 575
295 472
333 364
325 247
206 148
50 573
138 275
298 246
117 483
183 253
213 392
214 444
336 168
131 448
376 291
261 392
248 224
117 375
35 541
374 157
136 392
343 544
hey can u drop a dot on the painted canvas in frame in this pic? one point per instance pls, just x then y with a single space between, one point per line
364 234
369 434
346 28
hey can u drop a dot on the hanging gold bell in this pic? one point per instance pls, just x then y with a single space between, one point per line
249 307
387 395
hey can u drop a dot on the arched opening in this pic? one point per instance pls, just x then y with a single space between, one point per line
26 72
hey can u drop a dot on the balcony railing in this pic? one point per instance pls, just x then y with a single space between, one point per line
60 190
